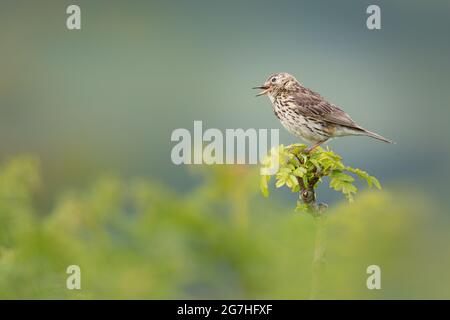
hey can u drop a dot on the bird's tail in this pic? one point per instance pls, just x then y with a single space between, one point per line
376 136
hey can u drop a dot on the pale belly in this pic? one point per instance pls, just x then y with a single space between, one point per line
303 129
310 131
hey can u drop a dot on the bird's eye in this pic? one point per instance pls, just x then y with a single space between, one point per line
273 80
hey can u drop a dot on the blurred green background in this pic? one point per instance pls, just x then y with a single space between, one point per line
86 176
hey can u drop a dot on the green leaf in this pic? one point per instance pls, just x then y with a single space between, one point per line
376 182
300 171
291 181
348 188
342 176
336 184
280 183
305 180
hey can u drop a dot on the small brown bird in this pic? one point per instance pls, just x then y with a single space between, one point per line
306 114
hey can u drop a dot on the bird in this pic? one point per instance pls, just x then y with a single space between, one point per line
306 114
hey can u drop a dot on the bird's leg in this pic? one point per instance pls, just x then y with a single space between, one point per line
314 146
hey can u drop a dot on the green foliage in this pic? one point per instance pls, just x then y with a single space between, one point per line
19 179
297 167
138 239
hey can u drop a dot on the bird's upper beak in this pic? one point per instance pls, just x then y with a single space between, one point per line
264 89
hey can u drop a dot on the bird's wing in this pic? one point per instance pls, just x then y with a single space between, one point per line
311 104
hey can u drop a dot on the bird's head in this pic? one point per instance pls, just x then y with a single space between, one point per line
278 82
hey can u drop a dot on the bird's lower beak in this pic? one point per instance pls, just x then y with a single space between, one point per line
264 89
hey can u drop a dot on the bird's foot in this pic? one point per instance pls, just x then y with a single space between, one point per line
310 149
313 147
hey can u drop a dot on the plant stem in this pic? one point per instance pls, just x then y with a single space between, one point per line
308 196
319 254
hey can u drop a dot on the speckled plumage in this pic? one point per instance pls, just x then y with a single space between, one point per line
307 114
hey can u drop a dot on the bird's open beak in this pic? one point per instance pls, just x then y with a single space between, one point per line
264 89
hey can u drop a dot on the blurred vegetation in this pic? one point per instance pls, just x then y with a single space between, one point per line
139 239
